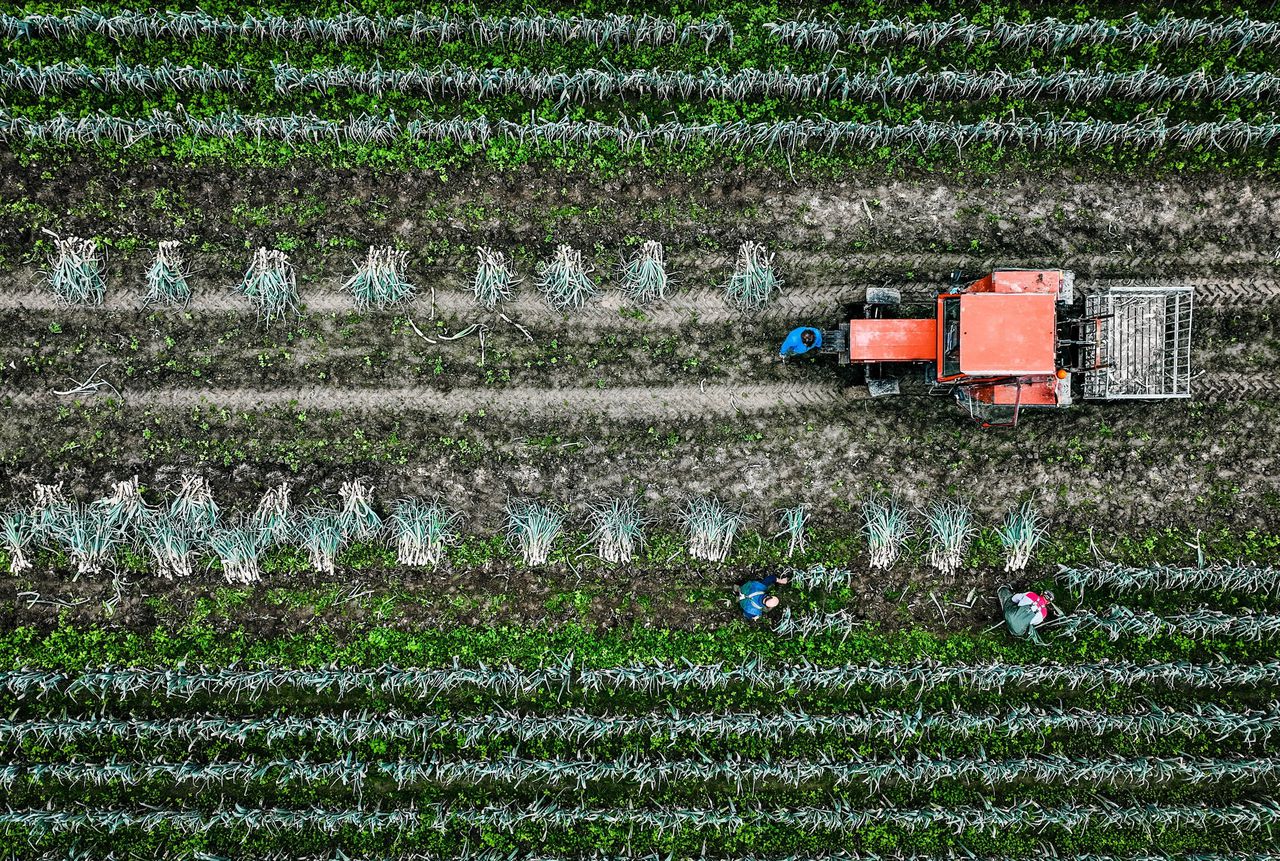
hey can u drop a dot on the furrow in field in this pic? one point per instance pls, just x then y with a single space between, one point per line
704 304
624 402
1234 386
809 302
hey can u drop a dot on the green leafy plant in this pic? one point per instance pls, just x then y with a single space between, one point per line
379 281
75 271
753 283
167 277
644 276
494 281
270 283
532 528
564 280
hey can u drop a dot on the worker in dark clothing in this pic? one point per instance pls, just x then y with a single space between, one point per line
754 597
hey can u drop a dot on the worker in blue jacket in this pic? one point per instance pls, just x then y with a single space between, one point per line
754 597
800 341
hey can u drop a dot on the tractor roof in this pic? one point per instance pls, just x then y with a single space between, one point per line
1007 334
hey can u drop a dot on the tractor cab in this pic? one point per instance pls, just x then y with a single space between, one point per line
999 349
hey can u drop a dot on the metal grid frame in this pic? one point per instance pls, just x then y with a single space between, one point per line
1141 343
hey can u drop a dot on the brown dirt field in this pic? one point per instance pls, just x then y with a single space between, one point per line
1208 218
680 399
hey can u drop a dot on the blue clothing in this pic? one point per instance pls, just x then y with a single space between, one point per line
794 345
752 595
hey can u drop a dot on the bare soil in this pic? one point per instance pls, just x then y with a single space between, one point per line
1219 220
680 399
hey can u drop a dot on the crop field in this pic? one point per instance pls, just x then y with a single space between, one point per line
391 406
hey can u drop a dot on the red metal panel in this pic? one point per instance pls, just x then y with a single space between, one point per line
892 340
1028 393
1007 334
1020 281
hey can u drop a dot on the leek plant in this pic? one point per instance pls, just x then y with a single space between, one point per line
1021 531
194 508
494 280
950 531
754 283
822 577
711 527
273 517
617 529
17 532
238 550
270 284
322 535
124 506
50 509
167 277
75 272
886 528
423 530
532 528
170 546
357 518
564 280
90 538
793 522
1249 579
379 281
644 276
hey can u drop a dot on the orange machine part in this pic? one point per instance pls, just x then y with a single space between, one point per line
1019 281
1003 334
892 340
1028 393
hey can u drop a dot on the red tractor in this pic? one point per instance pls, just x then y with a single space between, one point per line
1017 339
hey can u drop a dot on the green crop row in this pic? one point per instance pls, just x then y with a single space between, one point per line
141 832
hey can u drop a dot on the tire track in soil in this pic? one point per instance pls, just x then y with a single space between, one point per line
1234 386
703 305
624 402
674 402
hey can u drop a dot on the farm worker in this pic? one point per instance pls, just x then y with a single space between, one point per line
754 597
1038 603
1024 612
801 341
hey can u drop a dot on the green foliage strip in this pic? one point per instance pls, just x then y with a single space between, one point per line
639 132
559 677
1252 726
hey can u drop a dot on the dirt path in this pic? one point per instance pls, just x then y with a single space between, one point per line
1011 216
684 305
623 403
